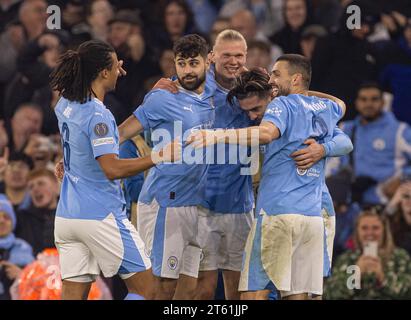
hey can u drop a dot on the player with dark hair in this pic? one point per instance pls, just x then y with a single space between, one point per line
171 195
92 232
289 228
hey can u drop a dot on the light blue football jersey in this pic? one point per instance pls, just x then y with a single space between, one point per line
227 191
170 116
285 189
88 131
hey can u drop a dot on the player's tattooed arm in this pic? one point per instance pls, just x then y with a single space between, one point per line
251 136
129 128
330 97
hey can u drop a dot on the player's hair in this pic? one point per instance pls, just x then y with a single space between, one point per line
77 70
191 46
298 64
42 172
370 85
250 83
229 35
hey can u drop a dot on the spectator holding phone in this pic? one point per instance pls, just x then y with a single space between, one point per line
399 211
14 253
384 270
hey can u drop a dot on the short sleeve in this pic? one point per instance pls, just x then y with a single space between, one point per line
153 110
102 131
277 114
337 111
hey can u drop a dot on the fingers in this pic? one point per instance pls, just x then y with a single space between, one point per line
166 84
120 68
307 166
310 141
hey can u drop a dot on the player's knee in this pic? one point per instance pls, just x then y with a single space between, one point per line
206 290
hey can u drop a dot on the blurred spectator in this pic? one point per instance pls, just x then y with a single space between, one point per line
244 22
205 12
385 273
125 35
219 25
167 68
35 63
259 55
382 148
177 21
344 60
15 253
27 120
36 223
31 24
296 18
99 13
268 13
309 38
399 211
42 150
396 75
14 185
9 10
327 13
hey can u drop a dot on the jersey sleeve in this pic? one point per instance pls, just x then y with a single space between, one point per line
153 110
277 114
337 111
102 132
339 145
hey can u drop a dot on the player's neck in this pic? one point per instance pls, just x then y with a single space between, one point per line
98 91
301 91
224 82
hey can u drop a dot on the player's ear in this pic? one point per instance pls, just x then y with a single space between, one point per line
211 56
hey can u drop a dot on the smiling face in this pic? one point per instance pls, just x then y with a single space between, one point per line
280 79
229 57
191 71
370 228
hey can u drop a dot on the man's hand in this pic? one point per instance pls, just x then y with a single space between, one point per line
59 170
166 84
4 138
12 271
203 138
120 68
307 157
170 153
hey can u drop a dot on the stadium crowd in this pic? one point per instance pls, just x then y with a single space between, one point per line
369 68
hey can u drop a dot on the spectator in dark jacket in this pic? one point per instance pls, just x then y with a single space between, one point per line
36 224
341 62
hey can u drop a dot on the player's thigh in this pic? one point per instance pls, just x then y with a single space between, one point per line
235 230
207 284
231 282
255 295
175 245
142 283
209 239
118 247
77 261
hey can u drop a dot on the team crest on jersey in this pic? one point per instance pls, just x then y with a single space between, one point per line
101 129
378 144
301 172
172 262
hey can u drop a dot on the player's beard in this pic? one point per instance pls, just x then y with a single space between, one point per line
282 90
193 85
